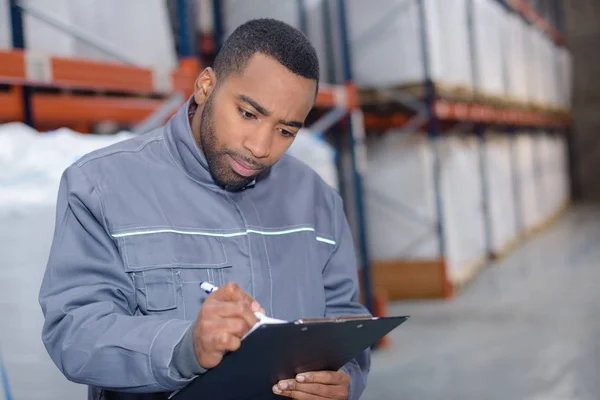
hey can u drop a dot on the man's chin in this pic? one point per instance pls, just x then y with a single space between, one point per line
234 184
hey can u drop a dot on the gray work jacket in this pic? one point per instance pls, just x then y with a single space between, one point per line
140 223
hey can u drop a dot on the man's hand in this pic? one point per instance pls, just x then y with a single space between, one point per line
315 386
225 317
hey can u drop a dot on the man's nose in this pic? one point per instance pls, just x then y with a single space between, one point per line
259 142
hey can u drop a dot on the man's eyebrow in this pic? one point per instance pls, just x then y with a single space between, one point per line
294 124
254 104
266 113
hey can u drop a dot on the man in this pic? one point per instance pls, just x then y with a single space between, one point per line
210 197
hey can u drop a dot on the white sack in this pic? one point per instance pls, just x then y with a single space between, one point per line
501 194
490 21
317 154
385 40
32 163
5 26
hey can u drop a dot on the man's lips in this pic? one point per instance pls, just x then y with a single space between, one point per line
243 168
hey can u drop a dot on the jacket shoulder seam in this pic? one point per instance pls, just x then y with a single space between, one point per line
115 151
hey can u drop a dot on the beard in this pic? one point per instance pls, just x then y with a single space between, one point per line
216 158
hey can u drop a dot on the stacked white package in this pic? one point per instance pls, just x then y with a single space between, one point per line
40 37
387 46
400 198
401 205
463 221
553 185
317 154
501 193
490 20
147 41
5 26
517 58
565 76
527 175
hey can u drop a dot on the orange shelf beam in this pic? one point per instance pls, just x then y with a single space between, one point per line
21 68
57 109
11 108
447 111
68 72
330 96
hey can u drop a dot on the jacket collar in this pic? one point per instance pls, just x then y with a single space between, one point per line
182 145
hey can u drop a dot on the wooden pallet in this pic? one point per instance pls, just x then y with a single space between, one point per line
508 247
374 96
468 273
410 279
548 221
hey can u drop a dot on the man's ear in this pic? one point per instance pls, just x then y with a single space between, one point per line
204 85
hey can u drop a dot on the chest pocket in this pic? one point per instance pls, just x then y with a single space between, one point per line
167 268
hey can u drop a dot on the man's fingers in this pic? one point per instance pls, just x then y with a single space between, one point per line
226 342
231 291
323 377
295 394
234 309
316 389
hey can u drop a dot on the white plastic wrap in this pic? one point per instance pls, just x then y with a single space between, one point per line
386 45
565 76
462 203
31 163
5 26
44 38
554 183
528 177
317 154
501 194
537 68
139 28
517 58
400 200
490 21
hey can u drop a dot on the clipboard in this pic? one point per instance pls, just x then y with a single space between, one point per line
280 351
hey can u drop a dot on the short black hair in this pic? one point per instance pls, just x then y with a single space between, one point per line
273 38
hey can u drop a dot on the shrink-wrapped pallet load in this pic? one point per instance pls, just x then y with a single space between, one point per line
387 46
500 181
147 41
402 215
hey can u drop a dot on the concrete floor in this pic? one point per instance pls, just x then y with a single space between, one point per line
527 328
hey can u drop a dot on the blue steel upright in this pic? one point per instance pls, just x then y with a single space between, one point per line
358 189
433 130
186 31
18 42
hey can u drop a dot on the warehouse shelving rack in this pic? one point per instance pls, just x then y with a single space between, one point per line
440 113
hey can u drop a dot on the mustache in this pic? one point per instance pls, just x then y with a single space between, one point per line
247 160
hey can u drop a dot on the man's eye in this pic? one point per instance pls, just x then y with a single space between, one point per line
246 114
287 133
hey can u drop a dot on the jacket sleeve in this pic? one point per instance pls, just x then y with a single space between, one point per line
341 289
88 301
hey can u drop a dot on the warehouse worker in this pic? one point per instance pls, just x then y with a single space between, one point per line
210 197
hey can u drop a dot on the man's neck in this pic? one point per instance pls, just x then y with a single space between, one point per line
194 121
